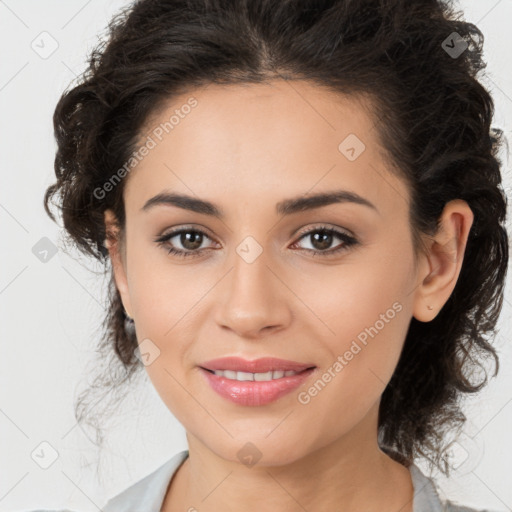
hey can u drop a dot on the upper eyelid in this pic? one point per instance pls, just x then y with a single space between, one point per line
180 230
325 227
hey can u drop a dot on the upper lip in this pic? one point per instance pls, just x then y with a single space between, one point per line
262 365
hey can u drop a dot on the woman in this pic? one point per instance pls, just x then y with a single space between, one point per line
300 207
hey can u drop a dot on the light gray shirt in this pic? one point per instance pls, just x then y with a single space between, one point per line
147 494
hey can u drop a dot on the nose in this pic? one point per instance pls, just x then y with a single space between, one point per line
253 300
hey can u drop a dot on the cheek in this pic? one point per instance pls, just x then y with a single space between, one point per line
162 292
163 301
364 311
359 359
344 300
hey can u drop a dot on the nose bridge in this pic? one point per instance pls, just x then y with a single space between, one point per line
251 300
250 272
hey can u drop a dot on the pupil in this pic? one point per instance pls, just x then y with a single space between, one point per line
188 236
322 244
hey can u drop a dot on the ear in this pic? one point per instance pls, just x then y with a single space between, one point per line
440 268
118 258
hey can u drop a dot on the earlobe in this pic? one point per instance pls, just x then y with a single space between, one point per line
113 244
442 265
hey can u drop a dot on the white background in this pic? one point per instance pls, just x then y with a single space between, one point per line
50 312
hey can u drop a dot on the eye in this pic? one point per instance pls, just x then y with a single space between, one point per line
322 237
190 239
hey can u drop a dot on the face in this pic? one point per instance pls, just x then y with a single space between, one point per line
329 284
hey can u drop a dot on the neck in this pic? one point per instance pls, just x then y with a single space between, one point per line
350 471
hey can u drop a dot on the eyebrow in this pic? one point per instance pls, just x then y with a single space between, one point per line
286 207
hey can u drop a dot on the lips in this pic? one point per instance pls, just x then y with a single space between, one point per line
257 382
262 365
252 393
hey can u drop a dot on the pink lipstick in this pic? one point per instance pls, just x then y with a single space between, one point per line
254 382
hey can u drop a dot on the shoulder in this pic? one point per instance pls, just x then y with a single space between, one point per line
427 499
149 492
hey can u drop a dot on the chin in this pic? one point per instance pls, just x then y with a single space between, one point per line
273 450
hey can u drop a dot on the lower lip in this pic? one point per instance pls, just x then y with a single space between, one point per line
248 392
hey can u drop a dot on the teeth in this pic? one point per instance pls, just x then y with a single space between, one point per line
271 375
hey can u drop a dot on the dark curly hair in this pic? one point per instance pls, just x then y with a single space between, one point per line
417 61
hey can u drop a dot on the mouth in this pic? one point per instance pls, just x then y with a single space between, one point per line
255 383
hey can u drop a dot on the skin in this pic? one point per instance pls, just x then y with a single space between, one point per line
245 148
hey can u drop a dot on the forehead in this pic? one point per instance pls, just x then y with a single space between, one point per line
263 140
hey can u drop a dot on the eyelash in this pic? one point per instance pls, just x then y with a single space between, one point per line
348 241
